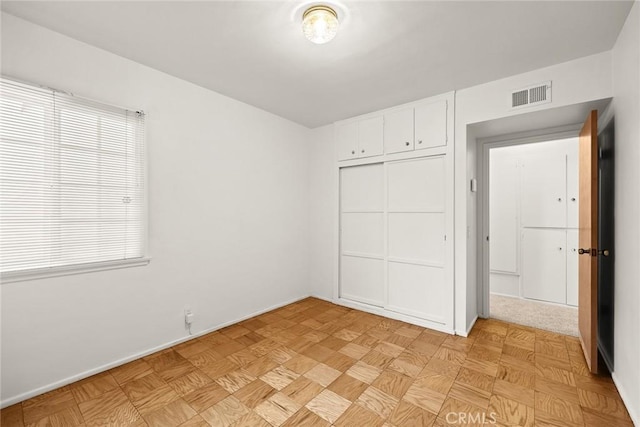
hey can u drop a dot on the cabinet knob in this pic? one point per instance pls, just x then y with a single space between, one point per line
560 248
573 199
406 143
559 199
420 142
363 151
353 151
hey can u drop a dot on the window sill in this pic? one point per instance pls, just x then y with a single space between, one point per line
43 273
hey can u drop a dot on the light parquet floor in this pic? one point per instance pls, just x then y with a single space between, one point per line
313 363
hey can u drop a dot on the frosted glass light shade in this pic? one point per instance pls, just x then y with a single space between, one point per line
320 24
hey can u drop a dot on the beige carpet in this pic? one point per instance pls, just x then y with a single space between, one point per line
550 317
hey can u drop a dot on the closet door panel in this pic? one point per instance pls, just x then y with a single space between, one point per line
544 190
417 185
361 188
544 265
573 193
362 279
416 290
363 233
572 267
417 236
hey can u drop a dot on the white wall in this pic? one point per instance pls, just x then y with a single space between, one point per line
323 211
574 82
626 88
228 203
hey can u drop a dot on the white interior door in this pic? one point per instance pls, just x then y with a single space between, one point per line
544 190
416 233
362 233
544 264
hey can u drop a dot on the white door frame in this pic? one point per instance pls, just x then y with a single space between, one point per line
484 146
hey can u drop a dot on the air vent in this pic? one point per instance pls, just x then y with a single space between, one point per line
532 95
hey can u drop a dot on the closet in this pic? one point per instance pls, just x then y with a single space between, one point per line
396 213
534 220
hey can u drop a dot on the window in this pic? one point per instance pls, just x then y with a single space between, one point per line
72 183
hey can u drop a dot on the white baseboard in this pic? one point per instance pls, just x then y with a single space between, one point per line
635 416
469 328
388 314
40 390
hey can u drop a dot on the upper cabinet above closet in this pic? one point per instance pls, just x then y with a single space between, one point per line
416 128
425 124
361 138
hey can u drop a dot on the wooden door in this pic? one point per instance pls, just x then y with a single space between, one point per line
588 241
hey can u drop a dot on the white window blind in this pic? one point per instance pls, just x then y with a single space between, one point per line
72 182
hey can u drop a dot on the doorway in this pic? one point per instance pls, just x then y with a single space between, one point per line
530 204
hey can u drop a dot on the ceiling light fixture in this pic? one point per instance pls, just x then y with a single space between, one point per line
320 24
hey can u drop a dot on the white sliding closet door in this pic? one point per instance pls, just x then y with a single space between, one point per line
416 237
362 234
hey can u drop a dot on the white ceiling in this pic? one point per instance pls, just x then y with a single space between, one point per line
386 53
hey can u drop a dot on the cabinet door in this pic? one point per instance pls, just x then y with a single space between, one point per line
398 131
573 192
544 190
431 125
544 265
572 267
370 139
347 140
